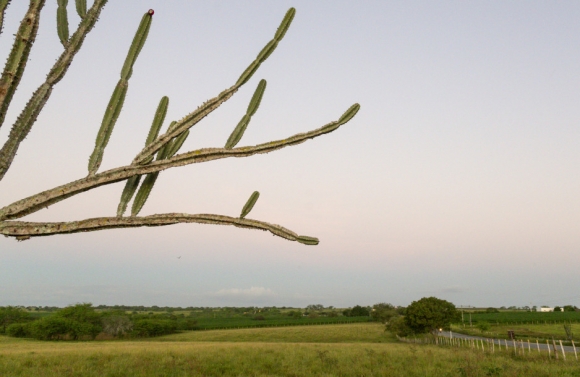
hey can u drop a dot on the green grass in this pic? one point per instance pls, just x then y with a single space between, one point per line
522 317
333 350
524 331
243 322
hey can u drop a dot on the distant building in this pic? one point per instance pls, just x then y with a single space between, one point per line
546 309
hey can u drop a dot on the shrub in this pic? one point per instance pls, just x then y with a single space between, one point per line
17 330
153 327
117 325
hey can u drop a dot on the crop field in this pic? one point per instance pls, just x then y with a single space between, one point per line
522 317
362 349
244 322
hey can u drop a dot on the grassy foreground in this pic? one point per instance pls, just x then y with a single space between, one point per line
331 350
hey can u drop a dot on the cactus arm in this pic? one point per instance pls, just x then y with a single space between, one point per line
250 204
238 132
118 98
24 230
62 22
81 6
109 119
3 6
133 182
143 193
26 119
18 57
209 106
46 198
127 194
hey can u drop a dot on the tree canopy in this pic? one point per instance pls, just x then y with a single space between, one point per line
430 314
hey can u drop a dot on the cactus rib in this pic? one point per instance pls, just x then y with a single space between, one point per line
81 6
62 22
250 204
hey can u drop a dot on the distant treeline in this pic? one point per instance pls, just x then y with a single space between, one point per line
86 322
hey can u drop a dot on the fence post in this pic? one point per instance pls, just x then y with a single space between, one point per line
563 352
548 345
574 346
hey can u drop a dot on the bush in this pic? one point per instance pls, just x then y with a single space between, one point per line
17 330
483 326
10 315
491 310
117 325
153 327
397 326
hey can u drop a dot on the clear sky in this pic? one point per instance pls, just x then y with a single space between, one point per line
459 178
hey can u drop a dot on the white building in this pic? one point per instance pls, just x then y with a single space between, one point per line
546 309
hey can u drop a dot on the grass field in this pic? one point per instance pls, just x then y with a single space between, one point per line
331 350
524 331
518 317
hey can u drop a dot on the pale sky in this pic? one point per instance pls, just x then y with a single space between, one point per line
459 178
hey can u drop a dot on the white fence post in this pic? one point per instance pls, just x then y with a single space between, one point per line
563 352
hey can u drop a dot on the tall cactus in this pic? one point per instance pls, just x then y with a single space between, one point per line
163 148
118 98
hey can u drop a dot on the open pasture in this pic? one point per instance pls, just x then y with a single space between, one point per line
332 350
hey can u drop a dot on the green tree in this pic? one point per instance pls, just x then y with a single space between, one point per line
10 315
398 326
356 311
557 309
569 308
383 312
161 147
430 314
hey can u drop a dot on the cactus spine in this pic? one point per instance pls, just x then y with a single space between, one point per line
62 22
238 132
250 204
133 182
81 6
269 48
117 99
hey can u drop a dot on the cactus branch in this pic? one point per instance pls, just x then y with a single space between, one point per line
249 204
18 57
24 230
62 22
81 6
209 106
27 117
3 6
46 198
